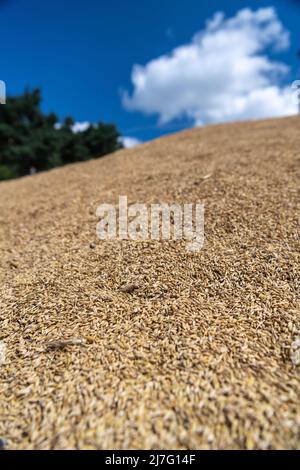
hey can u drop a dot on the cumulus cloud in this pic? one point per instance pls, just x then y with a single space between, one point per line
77 126
80 126
223 74
129 142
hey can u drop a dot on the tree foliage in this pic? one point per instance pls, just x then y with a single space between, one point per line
32 141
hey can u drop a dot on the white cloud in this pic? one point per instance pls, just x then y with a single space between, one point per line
77 126
130 142
80 126
222 74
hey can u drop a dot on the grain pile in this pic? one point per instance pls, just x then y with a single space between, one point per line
202 353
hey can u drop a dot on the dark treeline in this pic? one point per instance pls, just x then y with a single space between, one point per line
31 141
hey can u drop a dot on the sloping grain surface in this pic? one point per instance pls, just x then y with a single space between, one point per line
199 355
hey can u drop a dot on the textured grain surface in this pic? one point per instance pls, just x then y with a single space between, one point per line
199 354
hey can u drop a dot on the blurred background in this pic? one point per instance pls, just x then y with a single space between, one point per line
85 78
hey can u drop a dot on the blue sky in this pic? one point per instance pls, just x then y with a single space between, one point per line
82 55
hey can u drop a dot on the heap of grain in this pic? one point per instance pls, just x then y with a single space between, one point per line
202 352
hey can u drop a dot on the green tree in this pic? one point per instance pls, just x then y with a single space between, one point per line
33 141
